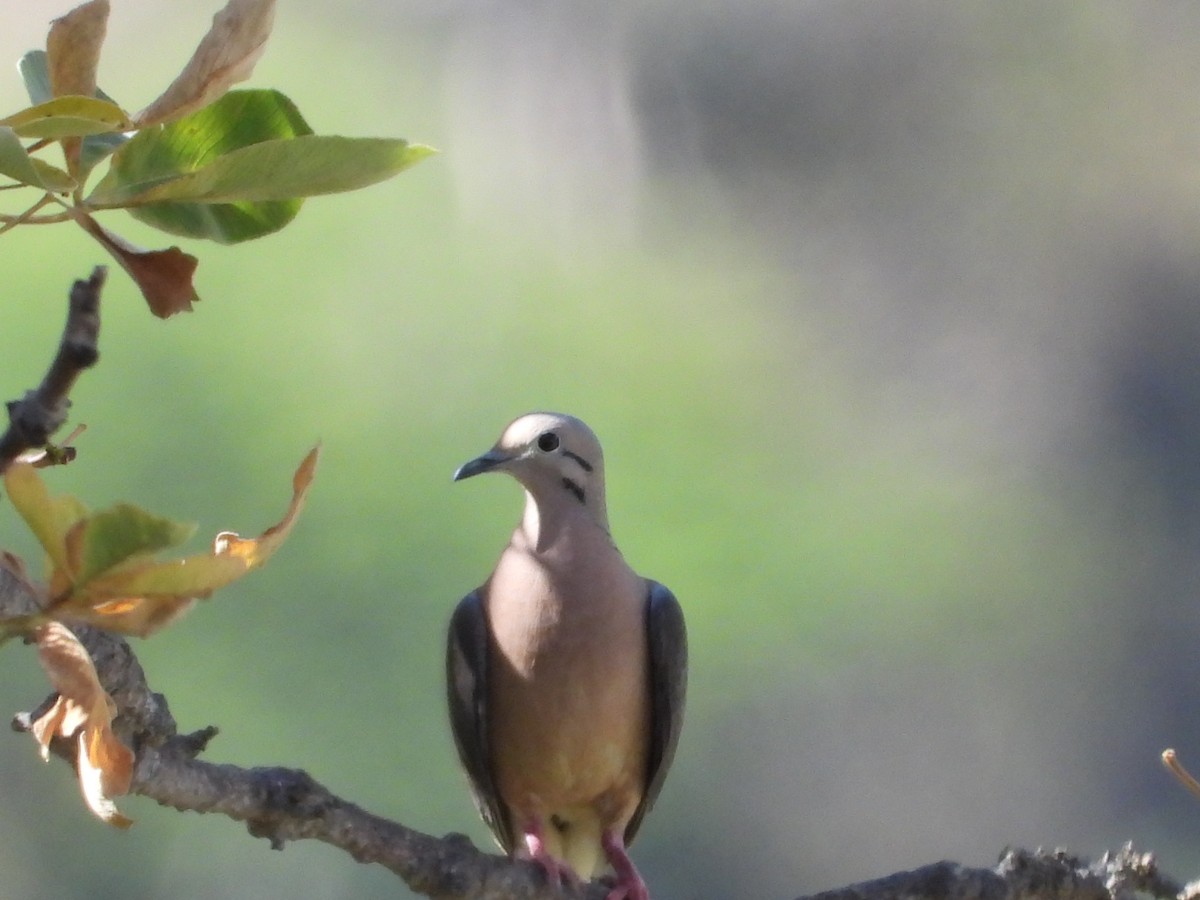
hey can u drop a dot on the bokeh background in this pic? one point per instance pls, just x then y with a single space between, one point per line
888 315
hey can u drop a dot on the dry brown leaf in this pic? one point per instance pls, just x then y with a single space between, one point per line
72 56
84 711
164 276
73 49
225 56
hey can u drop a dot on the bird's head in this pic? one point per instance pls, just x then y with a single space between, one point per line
555 457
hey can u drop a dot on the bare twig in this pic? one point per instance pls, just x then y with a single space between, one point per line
37 415
25 218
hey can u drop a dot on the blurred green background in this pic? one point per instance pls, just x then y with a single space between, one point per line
888 316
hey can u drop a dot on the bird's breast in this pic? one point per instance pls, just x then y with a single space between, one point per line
569 704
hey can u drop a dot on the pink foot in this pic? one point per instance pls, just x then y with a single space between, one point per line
556 870
629 885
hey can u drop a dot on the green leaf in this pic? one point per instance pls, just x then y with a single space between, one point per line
113 536
17 164
68 117
249 158
35 72
98 147
165 152
225 223
284 169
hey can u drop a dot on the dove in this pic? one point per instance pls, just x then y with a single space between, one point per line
566 671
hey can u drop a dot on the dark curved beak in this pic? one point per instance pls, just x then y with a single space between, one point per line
480 464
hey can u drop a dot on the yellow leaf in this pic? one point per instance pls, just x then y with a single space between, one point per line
70 116
256 551
225 56
143 599
194 576
48 518
144 595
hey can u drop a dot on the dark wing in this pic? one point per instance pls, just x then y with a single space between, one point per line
467 692
667 640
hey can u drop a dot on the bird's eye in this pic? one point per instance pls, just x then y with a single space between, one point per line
548 442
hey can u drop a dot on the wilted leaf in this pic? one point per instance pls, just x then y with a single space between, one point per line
72 55
258 550
84 711
68 117
26 169
225 56
164 276
73 49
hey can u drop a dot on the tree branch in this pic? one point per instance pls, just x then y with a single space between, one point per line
278 804
41 412
1022 875
283 805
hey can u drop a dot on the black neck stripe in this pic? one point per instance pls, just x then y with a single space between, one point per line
583 463
574 489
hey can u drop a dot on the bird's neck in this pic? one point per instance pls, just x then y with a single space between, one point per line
544 523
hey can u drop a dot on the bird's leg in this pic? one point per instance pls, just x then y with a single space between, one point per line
629 884
535 849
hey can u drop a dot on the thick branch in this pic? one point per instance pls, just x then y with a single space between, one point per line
41 412
284 805
1021 875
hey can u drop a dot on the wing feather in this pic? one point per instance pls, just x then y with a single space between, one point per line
467 693
667 641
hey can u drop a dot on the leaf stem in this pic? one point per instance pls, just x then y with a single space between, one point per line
28 218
